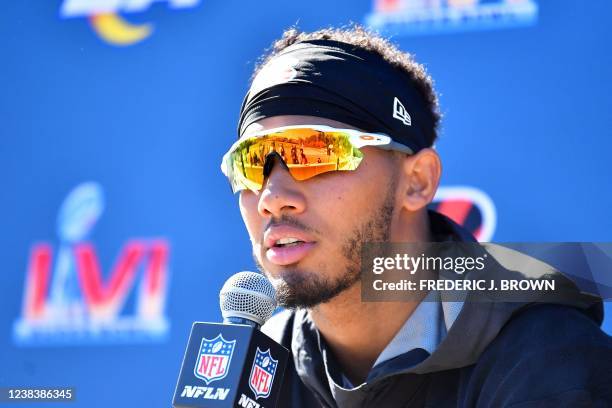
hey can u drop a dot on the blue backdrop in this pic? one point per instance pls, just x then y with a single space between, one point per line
144 102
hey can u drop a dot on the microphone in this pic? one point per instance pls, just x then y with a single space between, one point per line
247 298
234 364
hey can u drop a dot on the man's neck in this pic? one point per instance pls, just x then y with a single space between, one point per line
357 332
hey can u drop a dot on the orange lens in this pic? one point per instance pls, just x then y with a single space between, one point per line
306 152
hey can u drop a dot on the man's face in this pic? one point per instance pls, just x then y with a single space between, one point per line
331 215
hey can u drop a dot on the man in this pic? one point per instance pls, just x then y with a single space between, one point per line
303 158
378 107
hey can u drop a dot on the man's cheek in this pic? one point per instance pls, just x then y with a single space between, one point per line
253 227
248 210
258 252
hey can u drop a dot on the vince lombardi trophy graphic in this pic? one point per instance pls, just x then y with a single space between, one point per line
77 216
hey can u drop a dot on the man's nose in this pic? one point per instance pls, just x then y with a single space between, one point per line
280 193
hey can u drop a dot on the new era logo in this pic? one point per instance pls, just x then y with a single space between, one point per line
399 112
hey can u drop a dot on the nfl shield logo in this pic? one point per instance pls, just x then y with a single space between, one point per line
262 374
214 358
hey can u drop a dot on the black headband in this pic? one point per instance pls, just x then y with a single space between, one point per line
339 81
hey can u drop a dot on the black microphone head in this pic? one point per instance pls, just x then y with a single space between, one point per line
247 296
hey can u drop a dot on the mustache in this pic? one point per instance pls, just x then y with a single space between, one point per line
286 219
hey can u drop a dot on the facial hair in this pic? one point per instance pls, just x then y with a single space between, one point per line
307 289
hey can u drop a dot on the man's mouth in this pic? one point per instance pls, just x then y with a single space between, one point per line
287 242
286 245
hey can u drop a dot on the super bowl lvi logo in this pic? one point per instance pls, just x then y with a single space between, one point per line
105 17
262 374
214 359
70 299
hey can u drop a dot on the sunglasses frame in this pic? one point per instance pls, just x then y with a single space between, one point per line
357 138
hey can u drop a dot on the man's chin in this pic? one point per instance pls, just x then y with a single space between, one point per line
298 286
302 289
292 274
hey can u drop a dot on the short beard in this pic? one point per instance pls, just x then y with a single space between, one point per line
307 289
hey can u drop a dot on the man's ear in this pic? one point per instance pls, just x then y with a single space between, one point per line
420 177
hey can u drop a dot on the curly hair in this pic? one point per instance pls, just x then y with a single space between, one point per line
363 38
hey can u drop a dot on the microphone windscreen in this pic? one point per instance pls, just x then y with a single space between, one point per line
248 295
